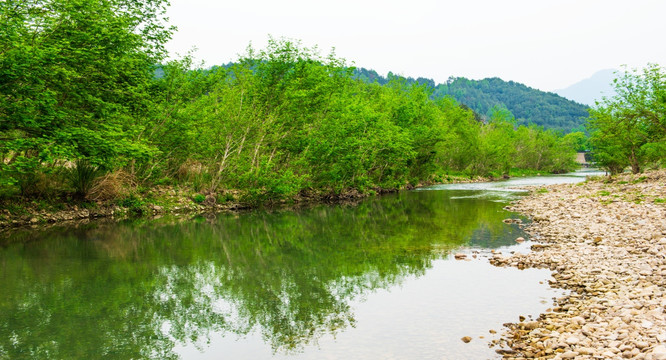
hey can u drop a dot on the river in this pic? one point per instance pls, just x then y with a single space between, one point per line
366 281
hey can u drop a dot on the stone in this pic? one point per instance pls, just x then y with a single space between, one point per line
460 256
569 355
572 340
657 353
466 339
608 257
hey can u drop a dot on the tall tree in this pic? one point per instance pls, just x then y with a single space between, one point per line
629 129
74 76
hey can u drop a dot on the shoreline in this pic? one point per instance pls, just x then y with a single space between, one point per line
173 201
605 241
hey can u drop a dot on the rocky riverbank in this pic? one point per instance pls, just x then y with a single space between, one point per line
605 241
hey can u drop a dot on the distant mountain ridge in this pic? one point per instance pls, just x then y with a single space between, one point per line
592 89
528 105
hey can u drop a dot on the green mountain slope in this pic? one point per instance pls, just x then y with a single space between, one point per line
528 105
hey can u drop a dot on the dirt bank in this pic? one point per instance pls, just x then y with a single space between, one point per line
22 212
605 241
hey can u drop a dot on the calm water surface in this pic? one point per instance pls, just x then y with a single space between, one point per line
375 280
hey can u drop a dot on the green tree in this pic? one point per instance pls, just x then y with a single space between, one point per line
629 129
74 76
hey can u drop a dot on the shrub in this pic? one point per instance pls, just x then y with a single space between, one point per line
81 177
134 204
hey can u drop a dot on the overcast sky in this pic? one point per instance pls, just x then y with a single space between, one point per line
544 44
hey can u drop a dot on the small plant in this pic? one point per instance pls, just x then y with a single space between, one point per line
81 177
659 201
603 193
542 191
88 205
165 181
225 197
134 205
199 198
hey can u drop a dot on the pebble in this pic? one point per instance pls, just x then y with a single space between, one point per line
609 256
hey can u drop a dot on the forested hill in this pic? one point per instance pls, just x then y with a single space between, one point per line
486 96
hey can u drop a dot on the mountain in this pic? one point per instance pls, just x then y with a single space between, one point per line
591 89
526 104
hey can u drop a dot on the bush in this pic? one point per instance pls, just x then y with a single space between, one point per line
81 177
134 205
199 198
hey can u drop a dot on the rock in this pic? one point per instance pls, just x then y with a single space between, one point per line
459 256
572 340
658 353
466 339
608 257
505 351
520 239
569 355
647 324
530 325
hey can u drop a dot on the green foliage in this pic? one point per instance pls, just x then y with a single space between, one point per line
279 122
73 82
198 198
528 105
286 120
81 176
134 204
578 141
629 129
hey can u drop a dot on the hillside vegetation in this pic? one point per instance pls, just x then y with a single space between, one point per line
83 115
527 105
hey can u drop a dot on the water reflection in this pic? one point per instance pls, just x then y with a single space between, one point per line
138 289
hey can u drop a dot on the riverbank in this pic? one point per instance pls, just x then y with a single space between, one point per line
605 241
19 212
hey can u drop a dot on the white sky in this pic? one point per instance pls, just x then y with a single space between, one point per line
546 44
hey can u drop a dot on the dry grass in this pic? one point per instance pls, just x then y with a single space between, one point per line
189 169
112 186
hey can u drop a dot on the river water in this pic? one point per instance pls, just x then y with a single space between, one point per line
366 281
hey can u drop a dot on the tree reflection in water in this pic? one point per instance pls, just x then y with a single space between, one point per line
136 289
